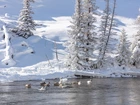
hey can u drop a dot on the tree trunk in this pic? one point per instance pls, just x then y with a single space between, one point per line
110 28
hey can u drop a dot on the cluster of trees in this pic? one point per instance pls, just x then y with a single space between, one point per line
90 49
83 37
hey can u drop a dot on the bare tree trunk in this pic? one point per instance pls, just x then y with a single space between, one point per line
49 61
56 53
106 21
102 49
110 28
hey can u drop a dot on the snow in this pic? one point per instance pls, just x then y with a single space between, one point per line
36 66
31 66
8 60
7 15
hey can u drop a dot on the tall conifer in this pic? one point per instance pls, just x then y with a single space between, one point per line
25 21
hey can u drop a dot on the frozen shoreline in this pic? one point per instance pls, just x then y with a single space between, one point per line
26 73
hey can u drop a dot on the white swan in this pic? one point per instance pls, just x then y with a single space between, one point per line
63 80
28 85
76 83
43 88
89 82
79 83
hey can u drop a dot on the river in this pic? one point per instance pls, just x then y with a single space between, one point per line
106 91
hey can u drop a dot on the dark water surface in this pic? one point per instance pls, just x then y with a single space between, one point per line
108 91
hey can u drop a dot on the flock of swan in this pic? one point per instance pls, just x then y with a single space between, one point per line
63 83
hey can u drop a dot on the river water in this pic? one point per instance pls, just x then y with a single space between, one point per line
107 91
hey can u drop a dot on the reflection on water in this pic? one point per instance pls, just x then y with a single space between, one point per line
107 91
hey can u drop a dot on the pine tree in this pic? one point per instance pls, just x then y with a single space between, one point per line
123 50
133 45
74 33
135 58
135 41
103 33
106 33
82 41
135 49
138 19
88 39
25 21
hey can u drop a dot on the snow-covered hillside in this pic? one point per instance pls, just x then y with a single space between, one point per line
40 47
35 57
50 34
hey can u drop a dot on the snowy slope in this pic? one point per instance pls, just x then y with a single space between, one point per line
35 49
43 43
32 55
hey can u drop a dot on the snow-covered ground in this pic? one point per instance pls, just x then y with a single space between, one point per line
35 57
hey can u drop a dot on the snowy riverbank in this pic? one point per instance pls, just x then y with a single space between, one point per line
42 71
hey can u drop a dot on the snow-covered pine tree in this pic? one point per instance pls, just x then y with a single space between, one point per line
133 44
105 31
135 58
138 19
83 38
123 57
135 49
25 21
88 39
74 33
136 38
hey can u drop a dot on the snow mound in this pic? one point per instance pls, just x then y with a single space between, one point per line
8 59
